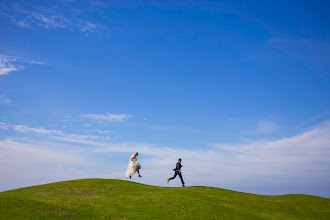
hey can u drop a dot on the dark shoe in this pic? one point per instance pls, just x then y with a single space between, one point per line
140 176
130 177
183 185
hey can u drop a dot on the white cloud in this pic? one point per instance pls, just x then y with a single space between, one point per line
54 134
24 128
88 27
22 23
27 17
103 132
305 155
10 63
56 17
37 153
50 19
24 164
108 117
33 62
3 126
5 70
4 99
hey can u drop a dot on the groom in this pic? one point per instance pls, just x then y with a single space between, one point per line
177 172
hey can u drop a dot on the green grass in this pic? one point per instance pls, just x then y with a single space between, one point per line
116 199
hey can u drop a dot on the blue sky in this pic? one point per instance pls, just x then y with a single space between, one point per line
240 90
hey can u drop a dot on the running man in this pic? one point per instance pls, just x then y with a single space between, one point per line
177 172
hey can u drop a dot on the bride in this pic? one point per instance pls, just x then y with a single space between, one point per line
133 166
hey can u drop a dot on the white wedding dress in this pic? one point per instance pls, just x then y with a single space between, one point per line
133 166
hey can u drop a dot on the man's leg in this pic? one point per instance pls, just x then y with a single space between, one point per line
173 176
180 175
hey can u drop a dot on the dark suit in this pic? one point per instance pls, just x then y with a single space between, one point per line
178 172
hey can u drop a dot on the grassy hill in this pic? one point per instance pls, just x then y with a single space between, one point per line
104 198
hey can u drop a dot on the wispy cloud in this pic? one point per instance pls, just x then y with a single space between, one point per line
8 64
24 128
89 27
23 164
312 146
54 134
3 126
56 17
103 132
11 63
4 99
50 19
108 117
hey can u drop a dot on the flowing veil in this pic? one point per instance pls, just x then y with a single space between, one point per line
133 166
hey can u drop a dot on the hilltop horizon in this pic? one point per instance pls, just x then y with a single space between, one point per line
100 198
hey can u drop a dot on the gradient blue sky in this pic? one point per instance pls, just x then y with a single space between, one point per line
238 89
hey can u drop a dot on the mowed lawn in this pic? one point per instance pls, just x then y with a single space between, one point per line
117 199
